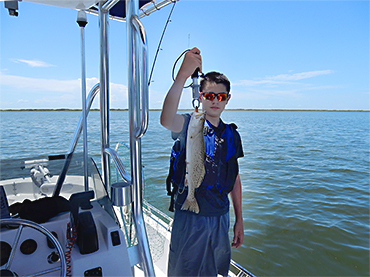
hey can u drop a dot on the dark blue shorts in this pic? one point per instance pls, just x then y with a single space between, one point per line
200 245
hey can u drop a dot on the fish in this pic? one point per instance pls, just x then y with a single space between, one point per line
195 154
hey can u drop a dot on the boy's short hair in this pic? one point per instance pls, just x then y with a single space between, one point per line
215 77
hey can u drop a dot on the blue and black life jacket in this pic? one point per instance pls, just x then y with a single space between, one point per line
176 175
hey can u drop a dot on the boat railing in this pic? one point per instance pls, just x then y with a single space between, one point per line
138 117
138 121
238 270
89 100
145 10
160 217
119 164
143 77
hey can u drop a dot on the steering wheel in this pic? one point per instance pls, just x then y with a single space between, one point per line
27 223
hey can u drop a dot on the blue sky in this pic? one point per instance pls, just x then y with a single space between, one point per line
277 54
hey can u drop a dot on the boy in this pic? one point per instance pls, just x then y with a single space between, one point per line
199 242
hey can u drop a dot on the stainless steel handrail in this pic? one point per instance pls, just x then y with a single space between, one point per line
155 7
145 10
119 164
135 97
109 4
104 94
139 28
90 98
242 272
82 21
143 78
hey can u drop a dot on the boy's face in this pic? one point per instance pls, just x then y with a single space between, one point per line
213 108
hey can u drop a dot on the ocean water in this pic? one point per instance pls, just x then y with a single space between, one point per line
305 179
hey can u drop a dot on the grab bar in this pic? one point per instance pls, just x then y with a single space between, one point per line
139 28
90 98
119 165
137 79
144 94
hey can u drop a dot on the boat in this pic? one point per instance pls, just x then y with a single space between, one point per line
66 215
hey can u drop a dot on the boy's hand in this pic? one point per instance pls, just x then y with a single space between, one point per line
238 234
192 61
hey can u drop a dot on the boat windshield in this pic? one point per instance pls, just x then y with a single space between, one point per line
35 178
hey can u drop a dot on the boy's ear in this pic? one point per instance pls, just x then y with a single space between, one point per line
200 97
228 98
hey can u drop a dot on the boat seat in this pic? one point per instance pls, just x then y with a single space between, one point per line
40 210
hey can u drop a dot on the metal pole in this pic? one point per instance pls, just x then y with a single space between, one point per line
132 8
74 142
109 4
104 91
82 21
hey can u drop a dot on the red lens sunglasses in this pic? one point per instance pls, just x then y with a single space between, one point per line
222 96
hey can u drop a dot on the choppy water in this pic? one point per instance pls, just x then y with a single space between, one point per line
305 178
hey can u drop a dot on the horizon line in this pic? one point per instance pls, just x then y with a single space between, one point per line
126 109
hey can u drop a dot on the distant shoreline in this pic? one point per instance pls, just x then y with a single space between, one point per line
268 110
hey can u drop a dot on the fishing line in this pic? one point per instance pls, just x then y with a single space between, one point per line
174 66
160 42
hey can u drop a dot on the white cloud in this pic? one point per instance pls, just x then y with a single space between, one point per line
156 98
55 93
251 83
33 63
45 85
282 78
278 89
34 84
118 96
299 76
22 101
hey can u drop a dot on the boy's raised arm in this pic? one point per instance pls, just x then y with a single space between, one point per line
169 117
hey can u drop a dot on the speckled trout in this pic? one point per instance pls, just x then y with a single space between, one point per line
195 170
